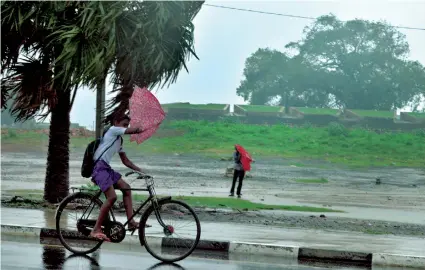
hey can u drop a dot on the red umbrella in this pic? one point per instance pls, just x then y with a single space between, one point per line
245 158
145 112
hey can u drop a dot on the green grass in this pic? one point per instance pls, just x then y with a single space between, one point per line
195 201
240 204
378 114
318 111
356 147
374 232
194 106
417 115
261 108
312 181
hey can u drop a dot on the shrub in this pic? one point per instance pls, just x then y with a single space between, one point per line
419 132
12 133
337 129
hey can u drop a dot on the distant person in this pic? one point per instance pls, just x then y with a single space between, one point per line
107 179
238 172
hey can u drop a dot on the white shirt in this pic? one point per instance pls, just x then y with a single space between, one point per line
107 140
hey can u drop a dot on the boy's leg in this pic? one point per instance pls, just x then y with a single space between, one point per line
128 202
111 197
241 176
235 177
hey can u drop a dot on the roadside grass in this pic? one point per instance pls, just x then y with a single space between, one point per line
195 201
312 181
374 232
357 148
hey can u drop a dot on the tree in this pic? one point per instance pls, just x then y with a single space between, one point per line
272 75
364 63
66 44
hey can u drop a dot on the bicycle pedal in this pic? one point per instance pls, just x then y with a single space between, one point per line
132 232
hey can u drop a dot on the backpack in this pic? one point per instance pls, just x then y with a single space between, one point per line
88 163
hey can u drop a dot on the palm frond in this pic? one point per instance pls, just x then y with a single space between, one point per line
161 41
30 83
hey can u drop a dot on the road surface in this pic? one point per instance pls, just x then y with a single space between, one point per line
28 253
334 240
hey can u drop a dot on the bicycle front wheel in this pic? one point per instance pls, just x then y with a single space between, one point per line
75 218
177 236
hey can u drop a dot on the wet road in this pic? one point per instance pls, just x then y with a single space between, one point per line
256 234
21 253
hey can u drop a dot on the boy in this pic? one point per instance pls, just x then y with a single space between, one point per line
237 173
107 179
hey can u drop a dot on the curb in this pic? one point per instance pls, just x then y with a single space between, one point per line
233 247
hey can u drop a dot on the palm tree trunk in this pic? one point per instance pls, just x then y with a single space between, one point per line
56 184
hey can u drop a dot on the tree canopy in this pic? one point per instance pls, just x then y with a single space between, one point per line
63 44
356 64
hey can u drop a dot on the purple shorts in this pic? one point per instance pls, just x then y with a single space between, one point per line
104 176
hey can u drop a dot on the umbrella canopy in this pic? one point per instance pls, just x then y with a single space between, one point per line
245 158
145 112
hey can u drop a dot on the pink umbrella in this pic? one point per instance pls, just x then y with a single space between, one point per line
145 112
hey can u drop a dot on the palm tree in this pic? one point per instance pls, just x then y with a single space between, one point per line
50 48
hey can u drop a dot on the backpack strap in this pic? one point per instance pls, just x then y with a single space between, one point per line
107 148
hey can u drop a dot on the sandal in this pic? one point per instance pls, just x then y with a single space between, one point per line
100 236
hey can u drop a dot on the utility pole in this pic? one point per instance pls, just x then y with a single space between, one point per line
100 106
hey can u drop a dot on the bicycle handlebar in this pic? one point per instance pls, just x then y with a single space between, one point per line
141 175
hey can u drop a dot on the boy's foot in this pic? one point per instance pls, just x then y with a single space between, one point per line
100 236
239 196
232 195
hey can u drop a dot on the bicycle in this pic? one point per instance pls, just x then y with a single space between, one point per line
115 230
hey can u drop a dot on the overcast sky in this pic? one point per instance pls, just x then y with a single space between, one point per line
225 38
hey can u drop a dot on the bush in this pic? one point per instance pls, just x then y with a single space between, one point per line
12 133
229 120
337 129
307 125
419 132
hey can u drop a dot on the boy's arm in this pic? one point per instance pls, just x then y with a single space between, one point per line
133 130
127 162
119 131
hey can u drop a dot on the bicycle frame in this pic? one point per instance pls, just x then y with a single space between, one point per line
152 198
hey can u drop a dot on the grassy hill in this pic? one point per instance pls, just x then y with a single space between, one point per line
356 147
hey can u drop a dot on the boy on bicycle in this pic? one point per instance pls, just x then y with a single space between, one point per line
107 179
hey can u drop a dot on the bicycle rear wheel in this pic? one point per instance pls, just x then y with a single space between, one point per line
180 236
75 218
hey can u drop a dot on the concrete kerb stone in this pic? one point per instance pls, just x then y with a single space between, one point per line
264 249
20 230
247 248
398 260
324 254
